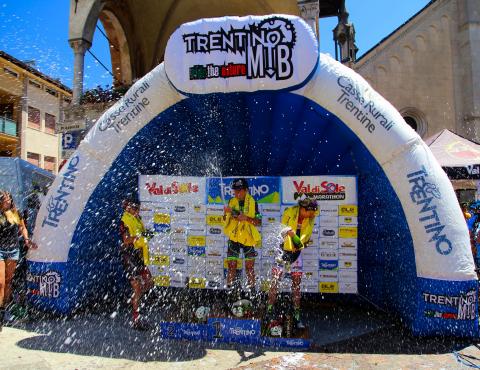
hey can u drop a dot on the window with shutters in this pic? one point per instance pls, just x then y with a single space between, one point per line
34 118
49 123
33 158
49 163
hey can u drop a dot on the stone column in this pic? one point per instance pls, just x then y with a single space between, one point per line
309 10
79 47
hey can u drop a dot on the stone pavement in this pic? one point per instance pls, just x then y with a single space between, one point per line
67 349
344 339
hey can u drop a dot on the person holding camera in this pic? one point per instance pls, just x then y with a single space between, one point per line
134 253
242 218
299 221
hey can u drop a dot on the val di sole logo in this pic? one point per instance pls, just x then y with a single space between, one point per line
267 47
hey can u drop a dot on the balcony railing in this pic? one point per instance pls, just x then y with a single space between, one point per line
8 126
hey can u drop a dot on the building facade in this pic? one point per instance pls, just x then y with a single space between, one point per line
429 68
30 107
138 33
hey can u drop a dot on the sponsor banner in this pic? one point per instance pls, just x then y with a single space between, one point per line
214 252
161 280
348 232
343 264
198 209
197 219
348 287
347 276
197 282
309 286
328 275
159 260
180 330
329 189
349 210
180 250
310 253
214 230
328 254
270 220
196 241
214 264
265 190
214 275
328 287
167 189
298 343
329 221
347 221
311 276
178 281
310 265
328 243
197 251
347 255
193 243
215 241
180 208
328 265
214 284
213 209
197 230
215 220
233 330
241 54
157 270
179 219
348 243
178 261
268 209
328 210
328 232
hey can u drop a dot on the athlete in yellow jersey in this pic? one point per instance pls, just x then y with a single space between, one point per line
299 221
133 252
241 220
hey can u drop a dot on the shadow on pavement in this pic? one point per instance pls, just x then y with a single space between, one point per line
335 327
96 335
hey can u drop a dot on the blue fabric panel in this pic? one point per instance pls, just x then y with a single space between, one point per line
446 307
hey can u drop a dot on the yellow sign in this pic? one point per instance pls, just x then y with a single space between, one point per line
348 210
328 287
161 218
239 264
161 280
197 283
160 260
215 220
349 232
265 286
197 241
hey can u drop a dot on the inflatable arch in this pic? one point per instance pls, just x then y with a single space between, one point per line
255 95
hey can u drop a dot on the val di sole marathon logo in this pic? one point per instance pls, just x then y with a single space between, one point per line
267 47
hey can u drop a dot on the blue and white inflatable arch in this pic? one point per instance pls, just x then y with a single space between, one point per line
254 95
